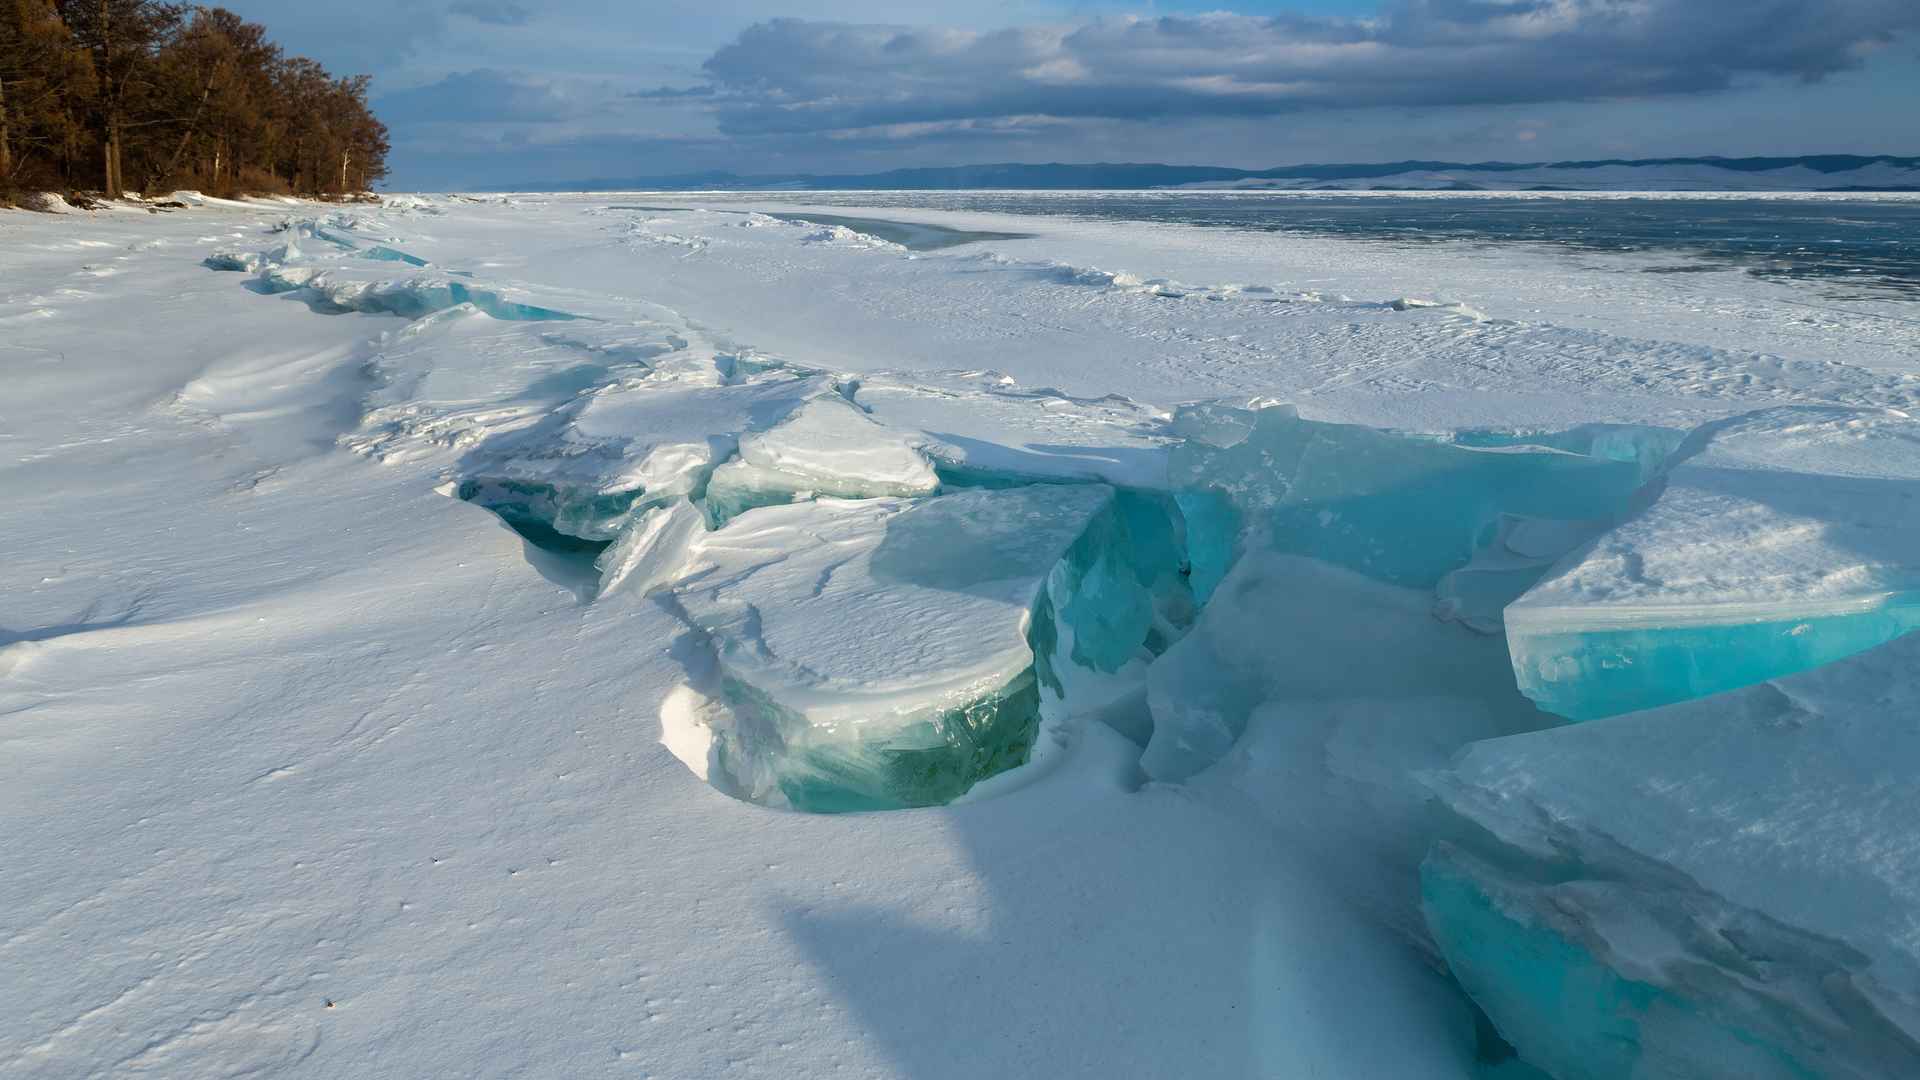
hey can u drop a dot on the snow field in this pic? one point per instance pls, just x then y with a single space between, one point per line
870 570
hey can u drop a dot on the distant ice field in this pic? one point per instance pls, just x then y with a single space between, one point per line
1852 246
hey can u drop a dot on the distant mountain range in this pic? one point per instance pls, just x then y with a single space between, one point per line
1824 172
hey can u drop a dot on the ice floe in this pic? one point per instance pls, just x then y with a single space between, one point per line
1722 887
1782 539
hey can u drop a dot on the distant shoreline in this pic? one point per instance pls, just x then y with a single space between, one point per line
1839 173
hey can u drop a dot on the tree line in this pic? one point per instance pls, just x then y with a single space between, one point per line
135 95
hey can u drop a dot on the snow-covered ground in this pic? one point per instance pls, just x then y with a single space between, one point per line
310 765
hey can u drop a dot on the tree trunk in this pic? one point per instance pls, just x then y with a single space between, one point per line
6 142
112 151
193 127
345 157
109 104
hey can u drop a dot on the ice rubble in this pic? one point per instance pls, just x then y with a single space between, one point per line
334 276
629 445
1717 888
885 652
1783 539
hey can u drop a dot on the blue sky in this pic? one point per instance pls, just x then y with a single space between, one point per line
504 92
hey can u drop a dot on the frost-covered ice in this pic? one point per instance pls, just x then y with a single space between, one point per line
1782 540
1721 888
1152 568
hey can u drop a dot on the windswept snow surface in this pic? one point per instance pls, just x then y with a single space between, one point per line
396 597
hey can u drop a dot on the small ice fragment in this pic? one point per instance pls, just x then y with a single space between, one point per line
651 549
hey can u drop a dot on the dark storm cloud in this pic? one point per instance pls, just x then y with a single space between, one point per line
791 76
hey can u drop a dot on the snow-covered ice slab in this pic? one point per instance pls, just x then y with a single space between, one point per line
826 446
982 426
1724 887
887 652
1784 539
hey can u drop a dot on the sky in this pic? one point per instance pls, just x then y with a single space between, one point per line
534 93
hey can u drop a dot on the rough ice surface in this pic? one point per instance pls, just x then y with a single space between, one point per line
1717 888
886 652
1783 539
827 446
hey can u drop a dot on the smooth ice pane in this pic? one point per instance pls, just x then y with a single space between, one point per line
1400 508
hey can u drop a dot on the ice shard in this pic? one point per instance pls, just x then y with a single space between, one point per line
887 652
1716 888
1783 539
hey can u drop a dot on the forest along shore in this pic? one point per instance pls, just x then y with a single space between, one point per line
120 96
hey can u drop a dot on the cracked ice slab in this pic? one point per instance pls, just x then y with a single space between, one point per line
826 446
881 652
1784 539
1721 887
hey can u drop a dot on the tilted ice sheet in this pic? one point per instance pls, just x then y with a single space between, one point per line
1401 508
1783 539
882 652
1720 887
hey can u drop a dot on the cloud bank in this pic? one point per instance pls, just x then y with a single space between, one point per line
788 76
